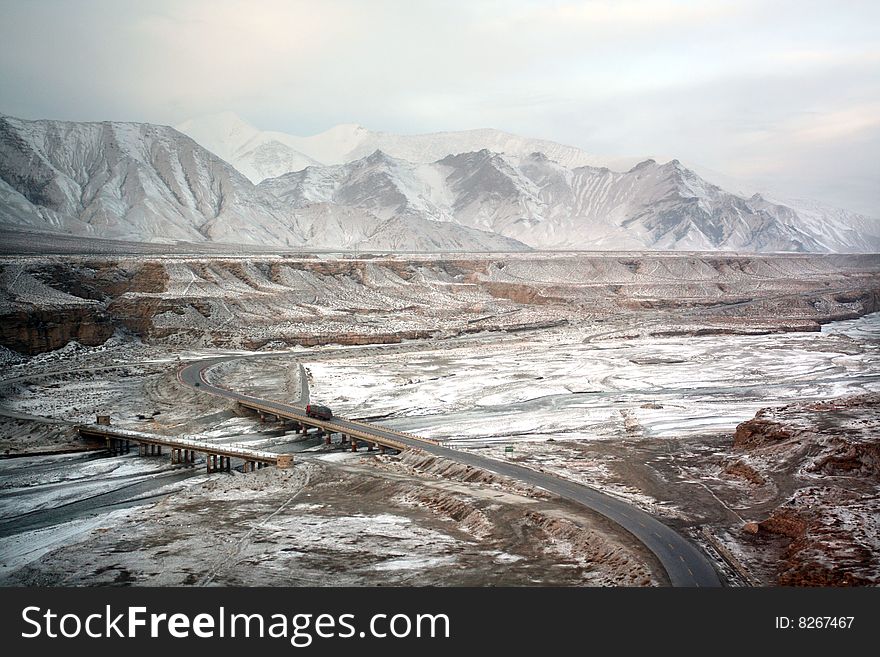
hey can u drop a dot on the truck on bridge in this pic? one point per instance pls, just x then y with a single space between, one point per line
319 412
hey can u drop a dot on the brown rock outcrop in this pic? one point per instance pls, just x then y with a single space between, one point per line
754 433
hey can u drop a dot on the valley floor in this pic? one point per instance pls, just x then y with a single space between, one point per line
660 407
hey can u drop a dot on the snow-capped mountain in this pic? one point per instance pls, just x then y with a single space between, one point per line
265 154
836 229
151 183
547 205
257 154
129 181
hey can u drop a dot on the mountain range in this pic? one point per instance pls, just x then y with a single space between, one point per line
143 182
350 188
262 154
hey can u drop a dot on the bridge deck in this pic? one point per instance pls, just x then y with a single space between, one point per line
371 433
175 442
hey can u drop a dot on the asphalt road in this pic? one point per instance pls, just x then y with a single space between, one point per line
685 565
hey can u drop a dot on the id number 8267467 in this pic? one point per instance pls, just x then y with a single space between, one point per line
814 622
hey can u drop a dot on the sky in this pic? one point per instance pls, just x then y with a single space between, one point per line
774 95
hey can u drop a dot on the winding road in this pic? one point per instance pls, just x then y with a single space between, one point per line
685 565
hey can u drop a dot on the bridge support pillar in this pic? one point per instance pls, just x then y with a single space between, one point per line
328 438
354 444
159 450
369 447
381 449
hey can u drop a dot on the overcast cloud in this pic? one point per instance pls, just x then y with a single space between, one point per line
785 94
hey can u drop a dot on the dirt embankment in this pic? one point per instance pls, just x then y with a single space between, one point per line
357 520
252 302
826 532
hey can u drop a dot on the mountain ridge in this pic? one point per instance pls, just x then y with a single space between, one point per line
142 182
238 142
549 206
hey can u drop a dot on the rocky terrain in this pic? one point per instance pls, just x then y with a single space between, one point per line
348 520
275 300
628 372
648 418
823 459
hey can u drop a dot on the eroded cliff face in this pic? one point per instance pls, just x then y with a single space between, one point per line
36 330
46 304
251 302
827 531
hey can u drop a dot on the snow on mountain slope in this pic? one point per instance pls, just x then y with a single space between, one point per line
547 205
129 181
333 226
567 199
239 143
149 183
380 184
258 155
835 228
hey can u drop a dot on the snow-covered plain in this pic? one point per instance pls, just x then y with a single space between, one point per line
557 385
543 394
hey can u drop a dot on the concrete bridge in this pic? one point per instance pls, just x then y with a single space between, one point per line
350 432
218 458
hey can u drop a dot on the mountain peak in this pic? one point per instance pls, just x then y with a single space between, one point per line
378 155
644 165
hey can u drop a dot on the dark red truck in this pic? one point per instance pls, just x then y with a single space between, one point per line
319 412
